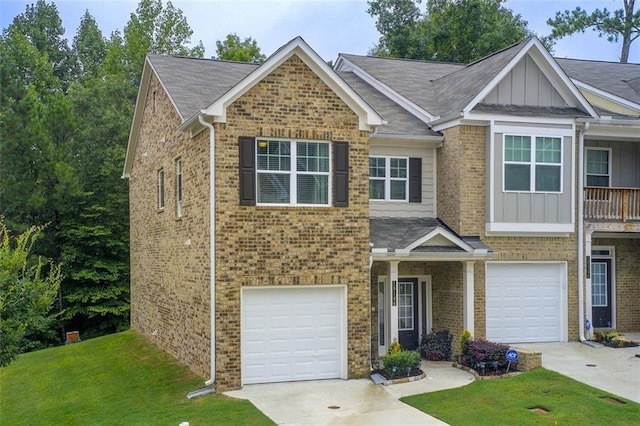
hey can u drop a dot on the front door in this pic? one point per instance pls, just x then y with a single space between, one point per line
408 312
601 293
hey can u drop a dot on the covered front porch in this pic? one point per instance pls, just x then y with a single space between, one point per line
422 278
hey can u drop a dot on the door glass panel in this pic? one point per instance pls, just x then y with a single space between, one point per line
405 306
599 284
381 313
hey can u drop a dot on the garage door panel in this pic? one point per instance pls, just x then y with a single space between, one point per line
524 302
292 334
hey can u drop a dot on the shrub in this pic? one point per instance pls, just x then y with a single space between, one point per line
401 363
485 356
395 347
436 346
464 342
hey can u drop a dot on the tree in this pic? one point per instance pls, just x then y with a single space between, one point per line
27 291
89 47
234 49
614 25
448 31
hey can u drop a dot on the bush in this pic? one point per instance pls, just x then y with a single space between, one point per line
486 357
401 364
464 342
436 346
395 347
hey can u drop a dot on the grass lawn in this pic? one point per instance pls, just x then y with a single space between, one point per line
121 379
509 402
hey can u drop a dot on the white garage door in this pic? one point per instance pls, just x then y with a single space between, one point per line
292 334
525 302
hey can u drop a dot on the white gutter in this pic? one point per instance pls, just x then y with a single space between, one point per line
581 321
212 240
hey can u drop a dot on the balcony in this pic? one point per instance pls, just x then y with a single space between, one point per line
612 204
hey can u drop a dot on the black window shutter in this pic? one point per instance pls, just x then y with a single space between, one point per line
415 180
247 171
340 174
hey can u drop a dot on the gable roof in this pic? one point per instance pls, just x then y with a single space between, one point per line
368 117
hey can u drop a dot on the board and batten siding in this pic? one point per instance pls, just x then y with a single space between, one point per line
624 162
531 207
405 209
525 84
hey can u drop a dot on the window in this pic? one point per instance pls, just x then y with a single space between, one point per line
290 172
598 170
161 189
532 164
405 306
388 178
179 187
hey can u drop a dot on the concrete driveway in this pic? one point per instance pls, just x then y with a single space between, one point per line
616 371
350 402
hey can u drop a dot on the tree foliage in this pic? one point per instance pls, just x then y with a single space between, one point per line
618 24
447 31
235 49
27 291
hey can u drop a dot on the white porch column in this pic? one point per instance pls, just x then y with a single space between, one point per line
393 312
468 298
587 284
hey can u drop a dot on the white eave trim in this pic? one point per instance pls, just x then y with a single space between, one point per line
431 256
546 63
529 229
369 118
420 113
606 95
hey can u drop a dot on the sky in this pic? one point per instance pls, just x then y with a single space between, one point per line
330 27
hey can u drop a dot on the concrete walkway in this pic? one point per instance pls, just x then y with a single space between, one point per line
614 370
351 402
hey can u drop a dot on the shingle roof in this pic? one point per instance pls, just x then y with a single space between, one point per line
622 80
456 90
409 78
195 83
398 233
399 120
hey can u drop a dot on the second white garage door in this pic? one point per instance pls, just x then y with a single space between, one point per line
293 333
526 302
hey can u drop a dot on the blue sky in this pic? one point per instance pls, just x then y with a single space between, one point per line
329 26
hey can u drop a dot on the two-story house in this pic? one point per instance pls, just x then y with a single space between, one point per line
289 220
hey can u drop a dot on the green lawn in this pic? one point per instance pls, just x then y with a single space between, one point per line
509 402
121 379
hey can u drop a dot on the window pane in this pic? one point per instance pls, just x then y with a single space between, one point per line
517 177
376 189
312 157
593 180
398 168
313 189
274 155
376 167
548 150
273 188
517 148
598 161
398 189
548 178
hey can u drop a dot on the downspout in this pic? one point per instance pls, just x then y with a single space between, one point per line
581 304
212 241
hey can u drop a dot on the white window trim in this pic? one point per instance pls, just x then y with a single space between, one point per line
597 148
532 163
161 184
179 187
387 179
293 187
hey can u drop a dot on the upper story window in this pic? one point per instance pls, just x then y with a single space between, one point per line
389 178
292 172
161 189
532 164
598 169
179 187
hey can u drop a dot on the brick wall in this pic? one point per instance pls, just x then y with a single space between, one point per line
170 255
262 245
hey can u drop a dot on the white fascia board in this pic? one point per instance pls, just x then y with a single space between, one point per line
389 139
442 232
434 257
529 229
606 95
614 130
485 117
548 65
415 110
369 118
